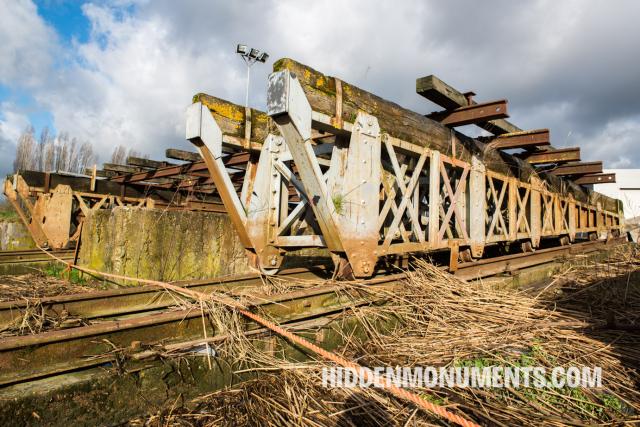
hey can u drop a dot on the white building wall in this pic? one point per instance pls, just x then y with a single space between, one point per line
626 188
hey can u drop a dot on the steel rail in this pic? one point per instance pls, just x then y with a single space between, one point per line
511 263
24 358
32 255
118 302
91 305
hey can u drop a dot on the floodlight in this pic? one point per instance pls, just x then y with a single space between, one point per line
250 57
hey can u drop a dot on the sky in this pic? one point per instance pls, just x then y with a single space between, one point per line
123 72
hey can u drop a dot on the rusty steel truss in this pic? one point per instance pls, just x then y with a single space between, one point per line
53 206
307 179
365 195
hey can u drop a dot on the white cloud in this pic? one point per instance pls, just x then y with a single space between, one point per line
27 44
12 124
617 142
131 81
130 84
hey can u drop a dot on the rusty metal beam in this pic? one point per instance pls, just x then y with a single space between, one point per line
448 97
232 160
581 168
524 139
562 155
472 114
600 178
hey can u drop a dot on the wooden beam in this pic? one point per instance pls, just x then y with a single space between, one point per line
407 125
553 156
186 156
472 114
440 93
231 118
139 161
582 168
601 178
120 168
524 139
101 173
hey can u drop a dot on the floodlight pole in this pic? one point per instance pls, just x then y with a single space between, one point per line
249 62
250 57
246 100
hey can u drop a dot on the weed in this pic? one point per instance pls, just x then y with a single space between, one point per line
56 270
338 203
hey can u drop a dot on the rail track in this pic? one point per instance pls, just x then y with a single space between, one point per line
104 320
29 256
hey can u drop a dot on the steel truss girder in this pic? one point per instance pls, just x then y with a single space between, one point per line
365 195
50 214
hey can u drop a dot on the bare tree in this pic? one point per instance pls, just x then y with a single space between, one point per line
61 153
26 151
121 154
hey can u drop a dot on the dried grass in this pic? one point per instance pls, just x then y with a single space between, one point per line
442 321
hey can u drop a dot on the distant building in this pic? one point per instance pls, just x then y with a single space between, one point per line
627 189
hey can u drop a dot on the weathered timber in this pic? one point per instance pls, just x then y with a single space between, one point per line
448 97
580 168
83 184
232 121
471 114
114 167
554 156
596 179
186 156
525 139
413 127
100 173
147 163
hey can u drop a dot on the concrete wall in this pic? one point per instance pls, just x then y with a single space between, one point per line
14 236
161 245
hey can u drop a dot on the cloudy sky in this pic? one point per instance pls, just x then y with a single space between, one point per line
123 72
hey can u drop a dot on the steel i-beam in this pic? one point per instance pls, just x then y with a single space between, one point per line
347 216
205 134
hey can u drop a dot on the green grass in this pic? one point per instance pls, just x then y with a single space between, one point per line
537 356
7 212
59 271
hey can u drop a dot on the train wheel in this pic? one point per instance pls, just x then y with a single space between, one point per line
465 255
343 270
527 246
564 241
593 236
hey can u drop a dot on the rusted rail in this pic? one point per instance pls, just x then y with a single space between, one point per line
120 302
32 255
145 313
513 263
24 358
